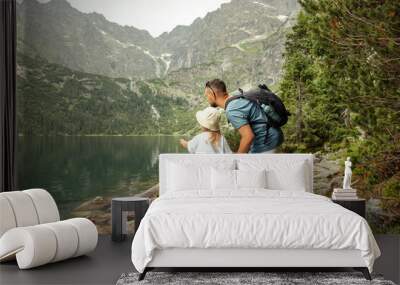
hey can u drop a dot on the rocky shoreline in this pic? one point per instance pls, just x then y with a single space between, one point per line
98 210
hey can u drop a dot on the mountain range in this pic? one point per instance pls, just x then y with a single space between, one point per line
241 42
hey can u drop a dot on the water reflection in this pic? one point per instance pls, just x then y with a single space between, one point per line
74 169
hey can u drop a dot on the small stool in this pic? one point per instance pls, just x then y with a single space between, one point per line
119 208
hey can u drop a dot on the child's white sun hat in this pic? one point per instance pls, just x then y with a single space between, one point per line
209 118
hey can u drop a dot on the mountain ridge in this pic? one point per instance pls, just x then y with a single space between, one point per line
91 43
127 63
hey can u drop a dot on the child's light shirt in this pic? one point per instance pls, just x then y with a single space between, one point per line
201 144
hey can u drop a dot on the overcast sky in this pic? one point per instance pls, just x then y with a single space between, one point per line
155 16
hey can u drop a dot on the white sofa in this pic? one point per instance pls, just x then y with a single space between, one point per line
31 231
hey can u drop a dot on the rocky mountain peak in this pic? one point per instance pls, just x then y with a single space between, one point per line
240 29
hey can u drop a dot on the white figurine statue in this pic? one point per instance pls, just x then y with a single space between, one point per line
347 174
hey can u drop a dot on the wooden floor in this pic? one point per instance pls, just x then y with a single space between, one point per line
110 260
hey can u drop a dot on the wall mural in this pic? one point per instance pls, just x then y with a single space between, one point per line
98 100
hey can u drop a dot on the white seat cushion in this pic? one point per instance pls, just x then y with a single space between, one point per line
67 240
23 208
7 220
45 205
87 235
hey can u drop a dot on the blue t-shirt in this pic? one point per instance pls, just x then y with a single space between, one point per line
241 112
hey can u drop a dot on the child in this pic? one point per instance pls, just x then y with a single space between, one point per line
210 140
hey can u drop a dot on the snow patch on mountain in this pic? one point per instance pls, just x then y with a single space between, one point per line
156 59
251 39
154 113
282 18
264 5
166 58
101 31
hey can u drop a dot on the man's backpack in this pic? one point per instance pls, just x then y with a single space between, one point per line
272 105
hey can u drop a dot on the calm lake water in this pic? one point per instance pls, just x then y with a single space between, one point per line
75 169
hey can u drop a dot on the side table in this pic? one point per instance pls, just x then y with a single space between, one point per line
355 205
119 213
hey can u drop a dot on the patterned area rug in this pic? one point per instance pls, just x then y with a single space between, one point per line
242 278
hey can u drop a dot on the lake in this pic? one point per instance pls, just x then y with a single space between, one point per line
75 169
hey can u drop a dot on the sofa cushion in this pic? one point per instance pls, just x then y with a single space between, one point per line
45 205
23 208
7 220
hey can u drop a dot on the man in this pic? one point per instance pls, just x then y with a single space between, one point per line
247 117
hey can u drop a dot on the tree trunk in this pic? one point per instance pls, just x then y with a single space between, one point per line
299 113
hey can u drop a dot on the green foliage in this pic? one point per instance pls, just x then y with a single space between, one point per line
342 73
391 188
54 100
341 80
233 139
